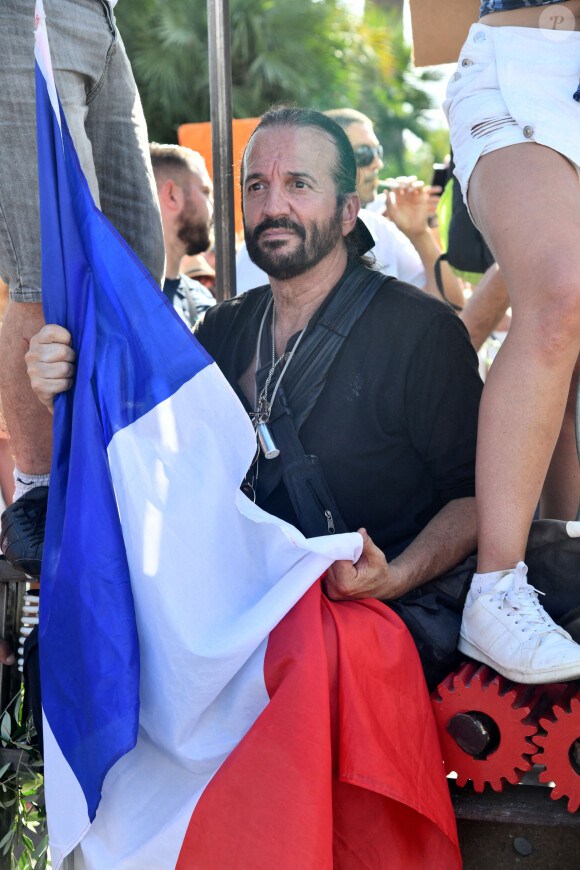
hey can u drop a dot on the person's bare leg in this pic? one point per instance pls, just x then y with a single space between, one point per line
487 306
28 422
561 491
526 200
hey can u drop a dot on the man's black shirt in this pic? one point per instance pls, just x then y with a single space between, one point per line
395 425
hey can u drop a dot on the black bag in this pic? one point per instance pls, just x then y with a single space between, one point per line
432 613
466 249
313 503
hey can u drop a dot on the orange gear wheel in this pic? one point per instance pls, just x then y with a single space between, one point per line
559 746
484 722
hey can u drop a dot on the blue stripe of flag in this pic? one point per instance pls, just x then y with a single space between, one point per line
133 351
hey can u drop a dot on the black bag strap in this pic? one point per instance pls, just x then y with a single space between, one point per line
324 337
309 493
439 281
303 476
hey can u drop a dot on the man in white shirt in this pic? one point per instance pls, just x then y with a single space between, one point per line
406 207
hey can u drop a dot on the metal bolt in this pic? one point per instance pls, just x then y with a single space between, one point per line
523 846
469 732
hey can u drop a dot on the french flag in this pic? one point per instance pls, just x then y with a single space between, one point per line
205 706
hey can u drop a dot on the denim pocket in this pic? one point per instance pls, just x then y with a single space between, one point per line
475 70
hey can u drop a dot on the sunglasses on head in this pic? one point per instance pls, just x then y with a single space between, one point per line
365 154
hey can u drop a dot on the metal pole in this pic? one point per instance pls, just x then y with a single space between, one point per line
220 91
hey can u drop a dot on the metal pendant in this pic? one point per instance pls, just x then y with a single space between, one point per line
267 443
263 410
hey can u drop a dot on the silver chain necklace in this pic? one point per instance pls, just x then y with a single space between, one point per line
263 405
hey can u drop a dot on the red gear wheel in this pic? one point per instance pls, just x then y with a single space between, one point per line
500 711
559 746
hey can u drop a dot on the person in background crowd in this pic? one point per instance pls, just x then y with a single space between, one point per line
199 269
407 205
186 199
404 245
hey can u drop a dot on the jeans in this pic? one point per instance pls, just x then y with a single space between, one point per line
106 121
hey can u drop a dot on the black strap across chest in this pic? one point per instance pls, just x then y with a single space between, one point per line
297 395
323 339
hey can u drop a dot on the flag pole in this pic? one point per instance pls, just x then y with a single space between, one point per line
220 90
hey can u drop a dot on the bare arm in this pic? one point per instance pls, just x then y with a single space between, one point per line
408 206
429 251
444 542
487 306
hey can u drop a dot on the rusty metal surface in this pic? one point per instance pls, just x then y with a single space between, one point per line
220 75
497 846
521 804
520 827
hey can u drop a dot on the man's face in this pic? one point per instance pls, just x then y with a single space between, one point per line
367 178
196 217
291 218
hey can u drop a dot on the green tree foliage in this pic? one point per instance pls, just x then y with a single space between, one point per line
281 52
392 92
306 52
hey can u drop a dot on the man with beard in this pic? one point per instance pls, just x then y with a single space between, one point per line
364 392
403 243
392 417
367 386
186 199
377 381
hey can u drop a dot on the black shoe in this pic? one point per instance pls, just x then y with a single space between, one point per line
23 523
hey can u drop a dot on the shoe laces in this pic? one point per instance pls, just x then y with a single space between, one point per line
31 520
522 598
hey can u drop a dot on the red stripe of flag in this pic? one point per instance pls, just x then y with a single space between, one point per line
343 770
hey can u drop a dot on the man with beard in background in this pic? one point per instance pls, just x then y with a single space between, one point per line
186 199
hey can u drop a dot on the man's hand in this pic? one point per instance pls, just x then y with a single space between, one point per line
409 204
50 362
370 577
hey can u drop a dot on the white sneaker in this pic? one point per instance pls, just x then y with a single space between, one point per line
508 629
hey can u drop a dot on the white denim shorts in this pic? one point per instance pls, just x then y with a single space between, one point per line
513 85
